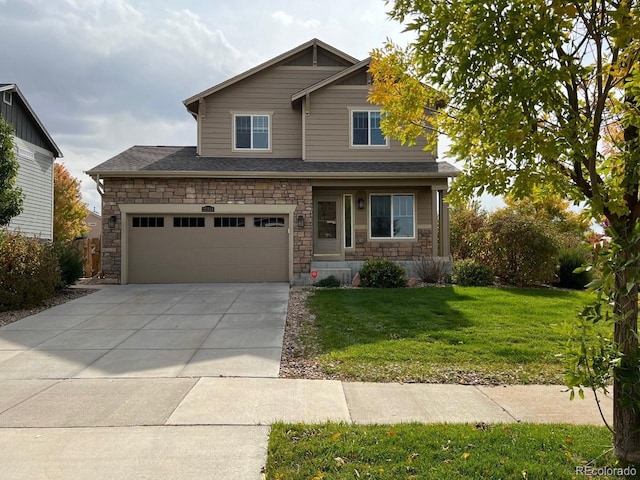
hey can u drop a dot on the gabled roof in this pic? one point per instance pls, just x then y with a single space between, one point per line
161 161
13 88
268 64
332 79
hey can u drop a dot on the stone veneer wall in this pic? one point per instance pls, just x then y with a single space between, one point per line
391 250
205 191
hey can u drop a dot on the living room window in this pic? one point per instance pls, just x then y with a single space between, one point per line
365 129
392 216
251 132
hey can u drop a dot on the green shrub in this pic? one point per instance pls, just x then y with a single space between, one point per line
71 263
330 282
569 260
466 230
382 273
469 273
29 271
520 249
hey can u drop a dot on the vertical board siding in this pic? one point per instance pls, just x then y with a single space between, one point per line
24 127
328 130
35 178
268 91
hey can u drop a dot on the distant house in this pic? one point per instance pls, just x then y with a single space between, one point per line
36 152
94 222
291 179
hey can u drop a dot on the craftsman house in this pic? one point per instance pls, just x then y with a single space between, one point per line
291 179
35 152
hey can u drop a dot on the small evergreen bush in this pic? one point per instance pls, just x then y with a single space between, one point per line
71 263
29 271
469 272
330 282
382 273
569 260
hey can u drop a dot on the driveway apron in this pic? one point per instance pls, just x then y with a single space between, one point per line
88 386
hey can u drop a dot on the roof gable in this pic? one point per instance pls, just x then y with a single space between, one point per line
337 78
14 90
314 50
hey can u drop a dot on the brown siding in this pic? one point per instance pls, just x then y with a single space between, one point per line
205 191
269 91
328 130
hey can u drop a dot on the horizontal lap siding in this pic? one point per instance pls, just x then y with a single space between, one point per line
328 130
268 91
35 178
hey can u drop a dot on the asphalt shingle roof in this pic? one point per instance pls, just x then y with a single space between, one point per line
146 160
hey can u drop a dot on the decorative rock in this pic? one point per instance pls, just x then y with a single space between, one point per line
412 282
356 280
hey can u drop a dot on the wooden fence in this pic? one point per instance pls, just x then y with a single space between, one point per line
90 250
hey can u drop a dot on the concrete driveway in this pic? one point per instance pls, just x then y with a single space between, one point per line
87 388
152 331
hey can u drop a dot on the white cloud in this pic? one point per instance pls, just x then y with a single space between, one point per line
282 17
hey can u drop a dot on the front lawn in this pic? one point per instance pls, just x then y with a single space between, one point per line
442 334
413 451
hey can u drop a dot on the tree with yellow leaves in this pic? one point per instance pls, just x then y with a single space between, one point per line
69 211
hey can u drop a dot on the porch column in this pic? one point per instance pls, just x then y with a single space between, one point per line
443 227
435 221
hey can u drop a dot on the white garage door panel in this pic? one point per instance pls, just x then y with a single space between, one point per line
207 254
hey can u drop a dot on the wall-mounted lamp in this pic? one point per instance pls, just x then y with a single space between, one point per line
112 221
300 221
361 203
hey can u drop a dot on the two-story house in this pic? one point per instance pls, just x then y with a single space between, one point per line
291 179
35 151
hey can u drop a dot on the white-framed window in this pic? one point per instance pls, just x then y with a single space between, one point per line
348 220
251 132
7 97
392 215
365 129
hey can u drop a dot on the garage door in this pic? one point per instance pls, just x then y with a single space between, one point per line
175 249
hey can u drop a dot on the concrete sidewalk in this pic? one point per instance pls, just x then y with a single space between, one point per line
218 427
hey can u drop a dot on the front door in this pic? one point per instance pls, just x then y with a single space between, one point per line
327 228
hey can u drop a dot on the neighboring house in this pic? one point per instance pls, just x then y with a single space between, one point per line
291 180
94 222
36 152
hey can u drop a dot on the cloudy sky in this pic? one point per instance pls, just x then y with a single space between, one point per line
103 75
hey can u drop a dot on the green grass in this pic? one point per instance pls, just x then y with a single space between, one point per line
442 334
413 451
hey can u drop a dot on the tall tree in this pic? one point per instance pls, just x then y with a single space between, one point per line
10 195
528 90
69 211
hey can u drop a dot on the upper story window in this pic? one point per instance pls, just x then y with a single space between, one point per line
7 97
252 132
365 128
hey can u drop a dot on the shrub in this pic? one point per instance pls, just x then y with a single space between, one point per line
29 271
382 273
569 260
520 249
71 263
330 282
430 271
466 230
469 272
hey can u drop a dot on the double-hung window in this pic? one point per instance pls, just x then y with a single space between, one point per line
392 216
251 132
365 128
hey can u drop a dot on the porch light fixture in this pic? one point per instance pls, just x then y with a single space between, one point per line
361 203
300 221
112 221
